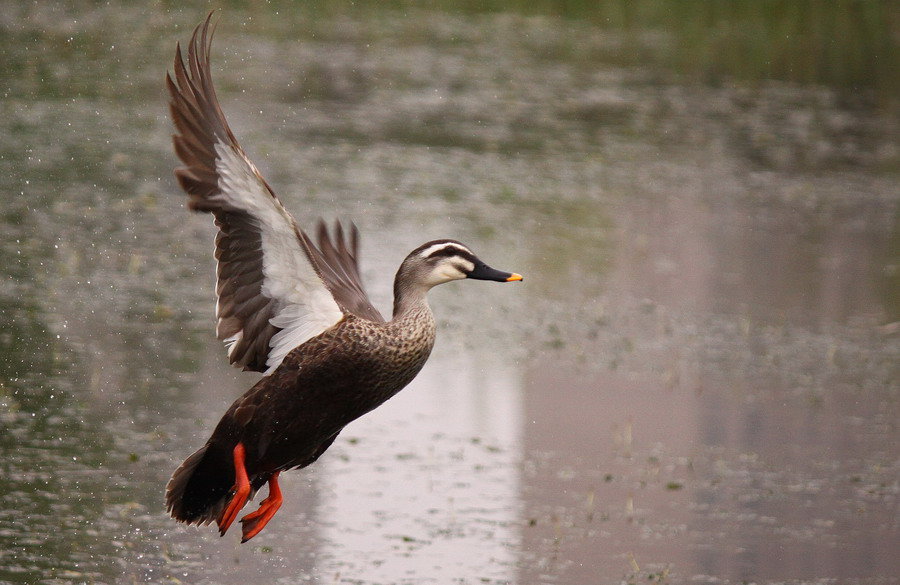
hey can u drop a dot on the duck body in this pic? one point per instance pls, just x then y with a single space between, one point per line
291 308
326 383
290 417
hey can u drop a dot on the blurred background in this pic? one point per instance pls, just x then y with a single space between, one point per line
697 382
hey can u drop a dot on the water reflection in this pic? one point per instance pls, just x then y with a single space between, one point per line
441 503
739 402
696 383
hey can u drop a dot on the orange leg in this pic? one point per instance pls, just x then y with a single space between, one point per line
241 491
254 522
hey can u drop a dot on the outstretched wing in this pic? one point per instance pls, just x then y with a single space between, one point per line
339 268
274 288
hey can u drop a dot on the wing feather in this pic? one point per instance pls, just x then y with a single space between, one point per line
271 295
340 269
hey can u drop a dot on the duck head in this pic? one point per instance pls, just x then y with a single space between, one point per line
437 262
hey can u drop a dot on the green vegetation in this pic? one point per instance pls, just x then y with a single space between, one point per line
844 44
848 44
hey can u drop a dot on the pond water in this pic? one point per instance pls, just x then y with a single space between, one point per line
697 382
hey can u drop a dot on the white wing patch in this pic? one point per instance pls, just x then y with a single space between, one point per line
298 324
305 306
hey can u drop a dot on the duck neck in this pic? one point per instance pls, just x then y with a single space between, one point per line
409 299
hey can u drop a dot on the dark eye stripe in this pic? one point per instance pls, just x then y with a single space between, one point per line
453 251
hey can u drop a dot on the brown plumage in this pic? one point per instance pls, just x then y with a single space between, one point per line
292 308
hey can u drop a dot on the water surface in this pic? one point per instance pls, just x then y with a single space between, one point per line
696 383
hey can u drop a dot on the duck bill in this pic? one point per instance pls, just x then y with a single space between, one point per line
485 272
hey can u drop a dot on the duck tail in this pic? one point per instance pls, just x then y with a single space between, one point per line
199 488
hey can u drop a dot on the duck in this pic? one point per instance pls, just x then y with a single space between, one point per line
291 307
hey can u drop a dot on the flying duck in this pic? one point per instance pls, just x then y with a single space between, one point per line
291 308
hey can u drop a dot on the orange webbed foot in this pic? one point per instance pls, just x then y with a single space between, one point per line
254 522
241 491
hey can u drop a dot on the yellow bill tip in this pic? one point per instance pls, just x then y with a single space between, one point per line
514 277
